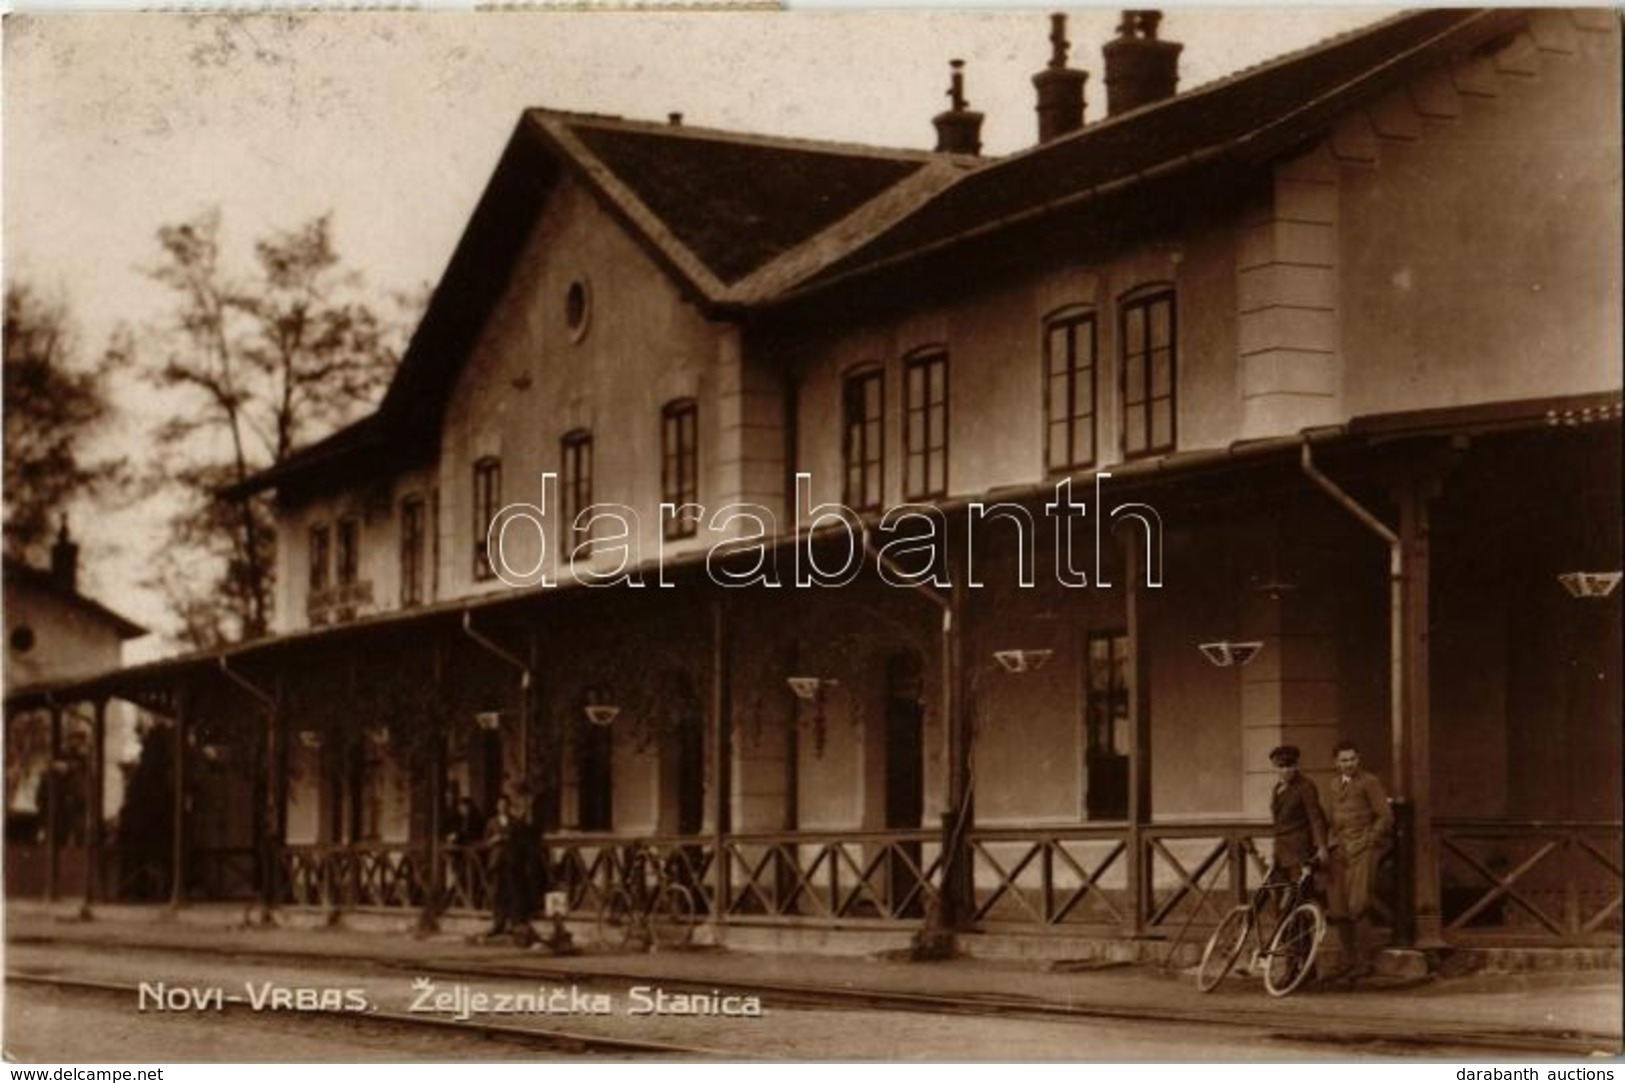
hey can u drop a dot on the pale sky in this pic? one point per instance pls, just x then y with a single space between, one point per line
117 123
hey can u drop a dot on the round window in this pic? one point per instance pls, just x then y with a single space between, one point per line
577 309
22 639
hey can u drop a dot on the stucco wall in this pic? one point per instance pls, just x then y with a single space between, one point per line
377 508
994 338
304 794
529 382
1480 228
68 641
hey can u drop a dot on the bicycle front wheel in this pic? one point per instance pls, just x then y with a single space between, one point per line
1224 948
617 918
672 921
1292 949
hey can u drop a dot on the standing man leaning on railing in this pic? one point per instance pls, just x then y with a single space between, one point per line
1361 826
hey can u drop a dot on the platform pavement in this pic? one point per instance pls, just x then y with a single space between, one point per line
1539 1003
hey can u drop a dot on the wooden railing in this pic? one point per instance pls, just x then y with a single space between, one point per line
834 877
587 867
387 875
465 879
1529 882
1083 876
1508 882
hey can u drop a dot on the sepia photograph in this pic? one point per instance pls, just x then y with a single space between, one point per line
741 535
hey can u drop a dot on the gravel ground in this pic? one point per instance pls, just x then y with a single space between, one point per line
50 1024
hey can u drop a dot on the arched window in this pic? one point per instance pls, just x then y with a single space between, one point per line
1149 371
680 467
925 424
863 403
1070 342
575 453
487 501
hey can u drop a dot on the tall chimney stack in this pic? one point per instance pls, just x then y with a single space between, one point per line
1060 88
65 559
959 130
1140 69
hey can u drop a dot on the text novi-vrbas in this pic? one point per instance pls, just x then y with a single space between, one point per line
260 996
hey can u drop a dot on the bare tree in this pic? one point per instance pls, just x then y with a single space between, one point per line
263 363
53 403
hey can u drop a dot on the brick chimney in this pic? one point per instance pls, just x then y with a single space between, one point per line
959 130
65 559
1060 88
1140 69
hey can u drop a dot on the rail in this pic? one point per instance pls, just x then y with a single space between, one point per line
1084 876
1508 882
336 877
835 877
1530 881
587 867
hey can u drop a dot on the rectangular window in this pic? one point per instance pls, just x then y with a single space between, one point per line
679 467
487 502
576 497
412 536
434 543
349 551
372 782
925 427
319 557
595 779
1108 693
1106 720
1069 393
862 440
1148 375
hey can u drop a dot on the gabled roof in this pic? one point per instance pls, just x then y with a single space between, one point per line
734 202
17 571
1249 116
742 222
710 207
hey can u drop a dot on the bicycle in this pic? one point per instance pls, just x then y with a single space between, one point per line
1290 953
650 899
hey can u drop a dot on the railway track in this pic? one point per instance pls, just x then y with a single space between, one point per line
534 1038
1267 1019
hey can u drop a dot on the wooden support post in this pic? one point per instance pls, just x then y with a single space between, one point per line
721 781
522 758
434 888
528 700
177 853
271 824
956 901
1412 754
53 809
1139 712
94 806
280 807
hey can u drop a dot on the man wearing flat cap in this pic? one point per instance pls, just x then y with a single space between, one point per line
1300 825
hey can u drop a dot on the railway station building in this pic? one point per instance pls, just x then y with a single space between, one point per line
917 541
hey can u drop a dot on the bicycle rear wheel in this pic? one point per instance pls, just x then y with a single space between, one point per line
672 920
617 919
1291 954
1224 948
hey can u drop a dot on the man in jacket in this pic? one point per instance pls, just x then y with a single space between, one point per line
1300 825
1361 825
